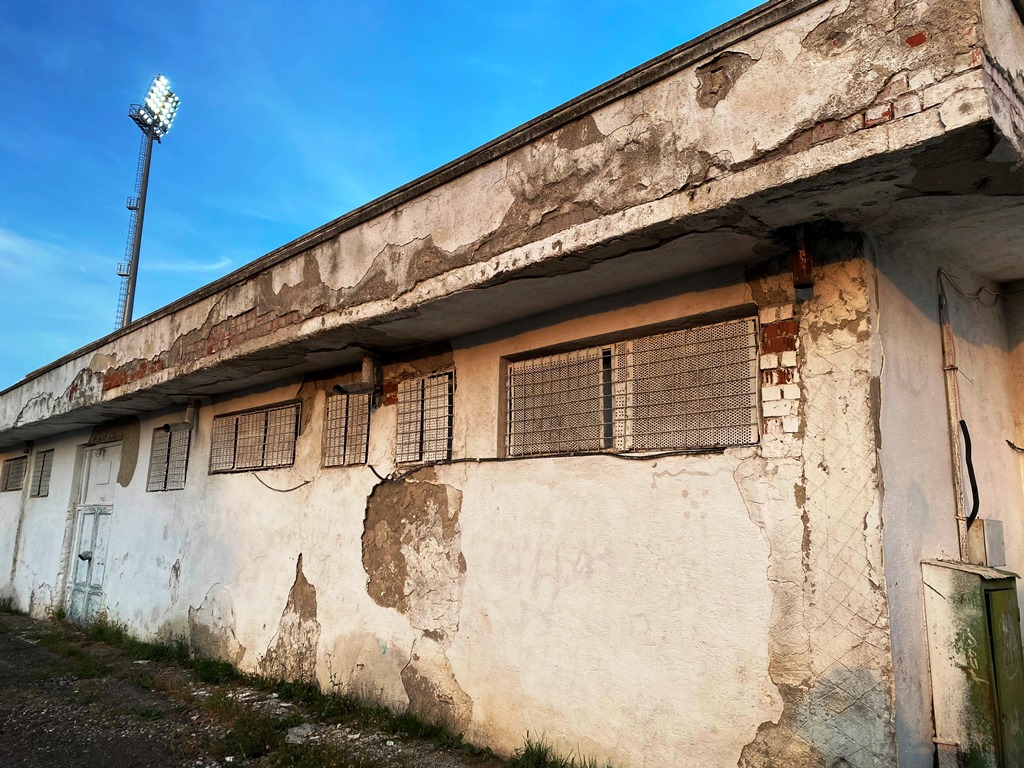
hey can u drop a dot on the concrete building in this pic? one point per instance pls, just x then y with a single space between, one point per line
638 427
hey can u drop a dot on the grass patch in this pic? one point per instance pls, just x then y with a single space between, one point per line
539 754
322 756
254 735
7 606
85 666
149 713
222 706
215 671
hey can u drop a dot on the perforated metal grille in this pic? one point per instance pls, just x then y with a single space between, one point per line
168 460
255 439
695 388
41 474
425 418
557 403
346 429
12 474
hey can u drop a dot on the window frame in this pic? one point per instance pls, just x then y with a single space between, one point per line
42 468
414 448
627 401
14 464
167 460
345 455
237 416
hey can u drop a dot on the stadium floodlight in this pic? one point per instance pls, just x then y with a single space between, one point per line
154 117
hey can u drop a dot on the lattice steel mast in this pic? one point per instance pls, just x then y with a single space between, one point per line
154 117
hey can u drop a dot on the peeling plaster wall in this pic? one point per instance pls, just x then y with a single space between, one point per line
919 508
33 531
723 605
849 79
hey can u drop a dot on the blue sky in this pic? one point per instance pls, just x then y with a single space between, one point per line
292 114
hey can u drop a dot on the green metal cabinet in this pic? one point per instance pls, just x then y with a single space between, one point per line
974 642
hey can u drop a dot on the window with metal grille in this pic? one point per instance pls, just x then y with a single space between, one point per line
41 474
346 429
12 474
168 460
425 418
258 439
694 388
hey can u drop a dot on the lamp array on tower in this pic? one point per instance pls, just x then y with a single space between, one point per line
154 117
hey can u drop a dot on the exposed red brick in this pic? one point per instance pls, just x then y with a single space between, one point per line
778 344
877 115
774 377
915 40
389 395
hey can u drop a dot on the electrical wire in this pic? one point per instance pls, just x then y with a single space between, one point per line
397 476
976 296
970 474
280 490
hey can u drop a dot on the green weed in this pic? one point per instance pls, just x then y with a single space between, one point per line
254 735
539 754
149 713
215 671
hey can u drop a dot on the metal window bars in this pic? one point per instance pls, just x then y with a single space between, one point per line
41 468
168 460
694 388
259 439
346 429
425 410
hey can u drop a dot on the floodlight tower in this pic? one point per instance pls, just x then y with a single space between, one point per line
154 116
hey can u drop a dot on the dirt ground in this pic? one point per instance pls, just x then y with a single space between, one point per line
69 701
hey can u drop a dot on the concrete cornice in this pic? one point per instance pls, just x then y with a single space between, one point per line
710 43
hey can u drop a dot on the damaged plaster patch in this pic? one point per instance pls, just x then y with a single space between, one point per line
717 77
434 694
412 553
292 654
127 431
211 627
828 643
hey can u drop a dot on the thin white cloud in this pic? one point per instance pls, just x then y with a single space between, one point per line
63 297
186 266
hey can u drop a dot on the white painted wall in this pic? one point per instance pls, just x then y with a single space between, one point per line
919 509
724 605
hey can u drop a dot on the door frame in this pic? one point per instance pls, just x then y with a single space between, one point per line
77 509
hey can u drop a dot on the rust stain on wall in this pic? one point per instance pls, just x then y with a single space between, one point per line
292 654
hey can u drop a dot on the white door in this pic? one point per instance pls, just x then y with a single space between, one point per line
92 525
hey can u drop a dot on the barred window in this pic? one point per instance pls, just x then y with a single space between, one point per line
694 388
425 418
258 439
12 474
168 459
346 429
41 474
